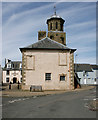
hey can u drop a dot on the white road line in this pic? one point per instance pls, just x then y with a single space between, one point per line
86 105
16 100
12 101
35 97
86 99
25 98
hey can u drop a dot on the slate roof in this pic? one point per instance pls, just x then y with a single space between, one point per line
94 67
15 65
55 17
82 67
47 43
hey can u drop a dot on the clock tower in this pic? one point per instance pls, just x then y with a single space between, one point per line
55 29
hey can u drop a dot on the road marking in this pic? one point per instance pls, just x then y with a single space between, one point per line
34 96
17 100
25 98
12 101
86 105
86 99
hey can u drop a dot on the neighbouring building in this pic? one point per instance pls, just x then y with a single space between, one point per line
49 63
87 73
11 73
95 73
0 74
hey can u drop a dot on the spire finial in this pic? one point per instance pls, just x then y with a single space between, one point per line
54 9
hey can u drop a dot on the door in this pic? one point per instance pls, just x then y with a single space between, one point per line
14 80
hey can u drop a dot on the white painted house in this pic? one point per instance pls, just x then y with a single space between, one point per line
87 73
95 73
11 73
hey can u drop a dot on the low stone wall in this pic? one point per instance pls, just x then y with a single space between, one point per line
25 87
12 86
37 88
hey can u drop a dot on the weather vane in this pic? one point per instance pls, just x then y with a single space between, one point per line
54 9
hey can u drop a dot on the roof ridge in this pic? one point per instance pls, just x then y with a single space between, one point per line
83 63
16 61
57 42
36 42
47 43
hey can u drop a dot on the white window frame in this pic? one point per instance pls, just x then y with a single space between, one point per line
47 76
60 77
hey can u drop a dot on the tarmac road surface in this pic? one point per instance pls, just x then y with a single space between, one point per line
65 105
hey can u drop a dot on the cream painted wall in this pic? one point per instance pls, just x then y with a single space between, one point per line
48 62
12 74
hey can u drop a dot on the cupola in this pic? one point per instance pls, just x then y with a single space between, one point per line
55 23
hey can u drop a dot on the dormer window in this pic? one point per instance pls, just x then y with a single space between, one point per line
8 65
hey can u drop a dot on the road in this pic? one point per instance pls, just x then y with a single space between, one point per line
65 105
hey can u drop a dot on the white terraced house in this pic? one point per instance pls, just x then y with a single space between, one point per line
11 73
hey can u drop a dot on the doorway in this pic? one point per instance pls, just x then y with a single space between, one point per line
14 80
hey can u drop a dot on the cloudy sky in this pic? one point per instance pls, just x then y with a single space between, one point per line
21 22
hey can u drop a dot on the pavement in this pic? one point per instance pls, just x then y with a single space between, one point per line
21 93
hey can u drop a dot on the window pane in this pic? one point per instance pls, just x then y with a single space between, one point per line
47 76
9 66
13 66
62 78
7 79
7 72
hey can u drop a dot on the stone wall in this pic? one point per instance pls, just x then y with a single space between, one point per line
58 36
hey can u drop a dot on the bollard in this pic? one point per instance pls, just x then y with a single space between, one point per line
18 84
10 86
30 88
